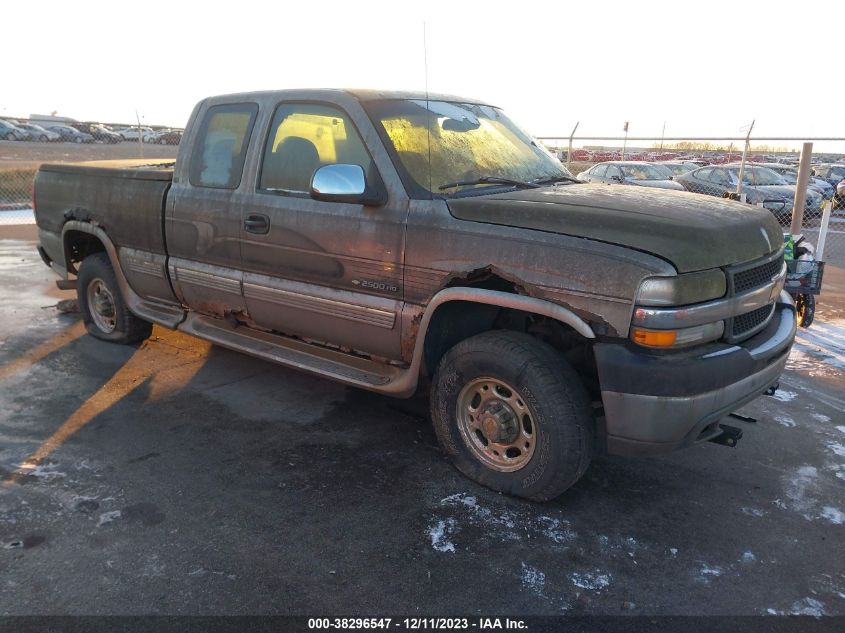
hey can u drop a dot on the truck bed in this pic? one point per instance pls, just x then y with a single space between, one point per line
127 197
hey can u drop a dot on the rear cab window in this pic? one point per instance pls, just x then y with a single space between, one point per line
220 150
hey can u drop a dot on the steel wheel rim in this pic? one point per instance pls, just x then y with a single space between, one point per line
101 306
496 424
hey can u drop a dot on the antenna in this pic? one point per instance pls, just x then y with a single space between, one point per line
427 109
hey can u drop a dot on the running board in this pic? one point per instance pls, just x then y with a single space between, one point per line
295 353
170 316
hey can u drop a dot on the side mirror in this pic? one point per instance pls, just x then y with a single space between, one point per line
345 183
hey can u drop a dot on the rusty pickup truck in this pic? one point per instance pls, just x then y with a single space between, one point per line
399 242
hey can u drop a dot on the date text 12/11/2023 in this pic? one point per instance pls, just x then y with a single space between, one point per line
414 624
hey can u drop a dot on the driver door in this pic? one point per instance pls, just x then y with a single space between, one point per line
327 271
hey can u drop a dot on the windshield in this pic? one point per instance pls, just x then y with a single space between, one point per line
468 141
764 176
643 172
758 176
789 177
837 172
681 169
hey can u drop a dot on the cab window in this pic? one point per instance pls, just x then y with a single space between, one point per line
304 137
220 149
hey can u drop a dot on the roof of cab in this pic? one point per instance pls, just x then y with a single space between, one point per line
359 94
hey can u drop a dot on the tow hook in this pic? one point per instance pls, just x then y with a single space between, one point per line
771 390
729 436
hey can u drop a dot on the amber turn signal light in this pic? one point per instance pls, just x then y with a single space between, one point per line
654 338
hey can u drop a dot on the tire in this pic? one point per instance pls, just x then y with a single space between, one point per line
42 139
552 442
107 318
10 136
78 139
805 307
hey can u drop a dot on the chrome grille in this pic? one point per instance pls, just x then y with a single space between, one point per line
746 278
757 276
750 320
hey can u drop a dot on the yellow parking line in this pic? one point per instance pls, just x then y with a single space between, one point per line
45 349
168 362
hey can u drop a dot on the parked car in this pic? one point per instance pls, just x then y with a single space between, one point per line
760 186
11 132
99 131
629 173
790 175
38 133
527 300
132 133
167 137
833 173
71 134
678 167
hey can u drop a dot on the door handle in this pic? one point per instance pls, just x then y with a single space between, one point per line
257 223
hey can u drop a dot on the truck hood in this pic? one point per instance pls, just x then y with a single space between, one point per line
691 231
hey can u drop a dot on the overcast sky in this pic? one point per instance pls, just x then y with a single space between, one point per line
705 68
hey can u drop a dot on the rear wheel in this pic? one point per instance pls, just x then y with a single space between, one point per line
513 415
101 303
10 136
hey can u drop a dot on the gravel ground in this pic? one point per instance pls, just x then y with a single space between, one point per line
179 478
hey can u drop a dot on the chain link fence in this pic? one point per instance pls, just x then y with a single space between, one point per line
766 177
763 173
27 143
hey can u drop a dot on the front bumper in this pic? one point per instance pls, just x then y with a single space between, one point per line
656 403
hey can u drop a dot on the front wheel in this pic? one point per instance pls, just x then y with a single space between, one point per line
104 312
805 307
513 415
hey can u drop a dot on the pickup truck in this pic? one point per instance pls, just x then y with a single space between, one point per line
398 242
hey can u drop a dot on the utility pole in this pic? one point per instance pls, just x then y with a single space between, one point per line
140 136
569 153
662 135
801 188
625 142
744 155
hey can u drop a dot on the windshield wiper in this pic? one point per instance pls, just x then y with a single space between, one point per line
560 178
489 180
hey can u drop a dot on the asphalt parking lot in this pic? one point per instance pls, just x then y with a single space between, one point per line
179 478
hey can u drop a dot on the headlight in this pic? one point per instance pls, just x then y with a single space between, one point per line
682 289
678 338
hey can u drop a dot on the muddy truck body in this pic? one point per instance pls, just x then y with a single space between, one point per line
398 242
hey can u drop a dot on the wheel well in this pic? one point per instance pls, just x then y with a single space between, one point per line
455 321
79 245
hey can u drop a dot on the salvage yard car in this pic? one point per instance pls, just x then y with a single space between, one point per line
38 133
402 241
760 185
630 173
71 134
